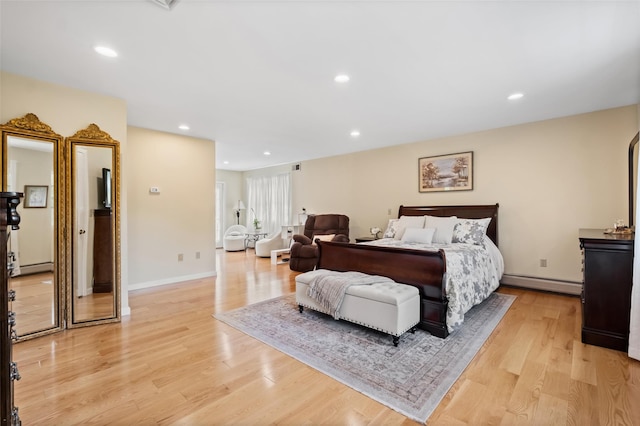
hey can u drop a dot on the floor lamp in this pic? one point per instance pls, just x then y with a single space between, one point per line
239 206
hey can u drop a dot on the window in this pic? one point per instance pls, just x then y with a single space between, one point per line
270 199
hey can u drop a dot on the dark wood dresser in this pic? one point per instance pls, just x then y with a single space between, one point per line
9 219
103 252
606 290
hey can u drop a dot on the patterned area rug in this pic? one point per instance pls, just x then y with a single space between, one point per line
411 379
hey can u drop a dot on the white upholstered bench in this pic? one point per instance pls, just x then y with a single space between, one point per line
392 308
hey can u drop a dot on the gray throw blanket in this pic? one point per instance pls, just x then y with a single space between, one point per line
328 289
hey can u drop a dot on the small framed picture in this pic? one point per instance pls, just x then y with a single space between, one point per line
35 196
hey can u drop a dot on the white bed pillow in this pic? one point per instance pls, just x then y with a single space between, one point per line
408 222
471 231
418 235
392 228
443 226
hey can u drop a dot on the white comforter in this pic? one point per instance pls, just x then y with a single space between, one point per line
473 273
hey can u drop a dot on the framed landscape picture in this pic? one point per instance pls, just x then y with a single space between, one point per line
452 172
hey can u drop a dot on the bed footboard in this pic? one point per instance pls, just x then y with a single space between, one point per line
422 269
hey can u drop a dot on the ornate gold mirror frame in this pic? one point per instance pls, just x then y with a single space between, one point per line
633 177
93 220
33 163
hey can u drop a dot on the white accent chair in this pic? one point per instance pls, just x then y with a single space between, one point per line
272 242
234 238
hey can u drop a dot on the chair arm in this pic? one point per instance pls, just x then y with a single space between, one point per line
299 250
341 238
302 239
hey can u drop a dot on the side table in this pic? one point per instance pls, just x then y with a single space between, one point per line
364 239
276 253
252 237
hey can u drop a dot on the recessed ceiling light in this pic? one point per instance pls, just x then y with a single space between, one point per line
267 153
341 78
225 162
355 133
183 127
106 51
514 96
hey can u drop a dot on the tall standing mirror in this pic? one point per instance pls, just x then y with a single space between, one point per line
633 177
93 286
32 158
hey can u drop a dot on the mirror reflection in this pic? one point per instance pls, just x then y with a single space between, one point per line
33 245
30 165
94 286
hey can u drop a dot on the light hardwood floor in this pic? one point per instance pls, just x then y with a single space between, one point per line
171 362
34 301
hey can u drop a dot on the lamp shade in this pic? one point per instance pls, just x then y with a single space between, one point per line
240 205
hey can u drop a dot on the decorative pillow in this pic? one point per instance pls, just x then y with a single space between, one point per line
408 222
327 237
471 231
443 226
392 228
418 235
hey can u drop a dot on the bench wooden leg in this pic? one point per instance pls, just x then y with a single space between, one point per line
396 339
300 308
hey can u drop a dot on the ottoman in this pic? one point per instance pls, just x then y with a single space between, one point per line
392 308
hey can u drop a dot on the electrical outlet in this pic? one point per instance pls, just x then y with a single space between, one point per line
154 190
180 257
197 255
543 263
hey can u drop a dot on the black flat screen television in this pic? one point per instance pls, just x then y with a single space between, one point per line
106 188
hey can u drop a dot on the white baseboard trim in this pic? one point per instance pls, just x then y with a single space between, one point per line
36 268
173 280
556 286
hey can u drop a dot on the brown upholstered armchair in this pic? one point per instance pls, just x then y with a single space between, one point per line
304 253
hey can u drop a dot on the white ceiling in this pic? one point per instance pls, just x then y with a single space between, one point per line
258 75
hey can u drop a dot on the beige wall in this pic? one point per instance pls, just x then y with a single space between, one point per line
68 110
179 219
550 178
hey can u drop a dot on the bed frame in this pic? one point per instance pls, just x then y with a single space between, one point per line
424 270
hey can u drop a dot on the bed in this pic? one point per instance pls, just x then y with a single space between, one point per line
427 267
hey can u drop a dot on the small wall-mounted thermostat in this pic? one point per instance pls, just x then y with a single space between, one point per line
154 190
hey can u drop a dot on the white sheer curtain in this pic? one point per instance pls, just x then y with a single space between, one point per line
270 199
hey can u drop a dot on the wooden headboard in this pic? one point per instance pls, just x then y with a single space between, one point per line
466 212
